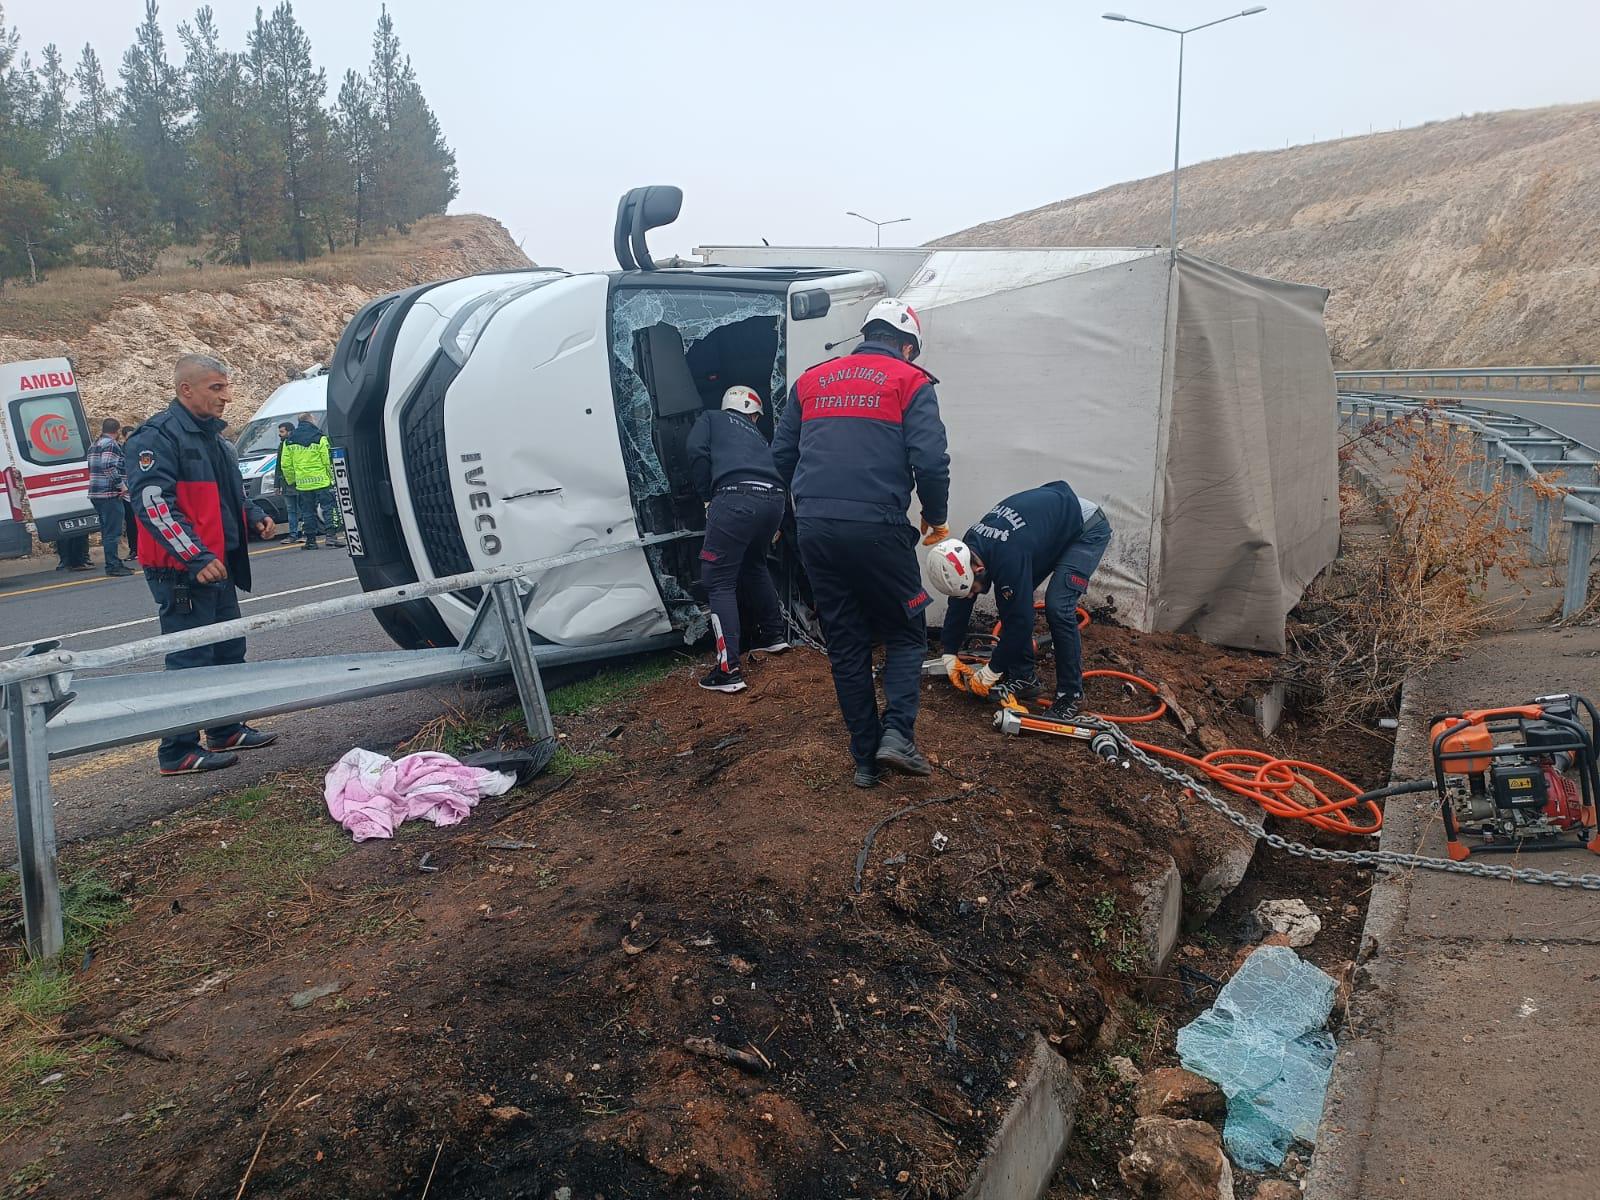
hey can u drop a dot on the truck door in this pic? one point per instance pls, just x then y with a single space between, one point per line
49 441
825 315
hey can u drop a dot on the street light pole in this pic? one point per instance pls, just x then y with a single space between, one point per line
1177 134
878 225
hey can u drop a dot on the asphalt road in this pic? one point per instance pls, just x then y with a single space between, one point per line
1575 414
117 789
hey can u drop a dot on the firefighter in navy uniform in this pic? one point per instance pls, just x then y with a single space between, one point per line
184 482
1047 532
730 465
857 433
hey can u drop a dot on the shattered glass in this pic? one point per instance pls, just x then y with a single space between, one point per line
1263 1044
695 315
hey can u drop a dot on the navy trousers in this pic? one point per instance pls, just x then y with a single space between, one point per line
867 587
208 603
740 523
1067 584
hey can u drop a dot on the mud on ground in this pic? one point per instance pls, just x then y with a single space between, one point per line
517 996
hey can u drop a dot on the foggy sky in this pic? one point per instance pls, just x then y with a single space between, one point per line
775 118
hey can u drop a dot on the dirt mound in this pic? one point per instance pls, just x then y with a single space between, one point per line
269 324
653 975
1466 242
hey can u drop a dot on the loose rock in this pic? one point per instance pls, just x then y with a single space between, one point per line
1277 1189
1174 1092
1177 1160
1122 1067
312 994
1289 917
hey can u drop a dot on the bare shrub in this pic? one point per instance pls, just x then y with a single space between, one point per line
1394 605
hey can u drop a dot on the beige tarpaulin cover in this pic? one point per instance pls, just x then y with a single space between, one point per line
1194 402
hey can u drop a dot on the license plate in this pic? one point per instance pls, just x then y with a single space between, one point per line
72 524
347 507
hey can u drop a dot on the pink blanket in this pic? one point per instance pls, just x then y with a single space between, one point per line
369 794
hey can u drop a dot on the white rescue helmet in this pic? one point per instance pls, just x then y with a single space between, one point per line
950 569
741 399
900 316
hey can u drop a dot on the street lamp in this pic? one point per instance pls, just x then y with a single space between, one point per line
877 224
1178 133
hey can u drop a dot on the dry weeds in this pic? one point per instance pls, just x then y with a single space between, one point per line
1396 605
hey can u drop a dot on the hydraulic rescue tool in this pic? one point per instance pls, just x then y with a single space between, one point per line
1501 775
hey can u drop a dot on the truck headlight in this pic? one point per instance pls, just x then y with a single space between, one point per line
467 326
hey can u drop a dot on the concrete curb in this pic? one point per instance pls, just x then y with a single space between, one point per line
1339 1160
1022 1157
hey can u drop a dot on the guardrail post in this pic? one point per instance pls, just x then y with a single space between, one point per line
1491 447
1580 544
26 713
524 667
1539 535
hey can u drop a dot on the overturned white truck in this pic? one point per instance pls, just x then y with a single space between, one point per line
512 416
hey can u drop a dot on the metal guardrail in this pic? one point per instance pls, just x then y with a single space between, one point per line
1454 378
49 715
1525 508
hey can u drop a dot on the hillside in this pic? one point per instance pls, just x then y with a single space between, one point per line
268 322
1473 241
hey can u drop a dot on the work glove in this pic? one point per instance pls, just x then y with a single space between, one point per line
957 672
981 680
932 535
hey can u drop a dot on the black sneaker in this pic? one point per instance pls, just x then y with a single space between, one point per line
773 645
115 571
245 739
1064 709
724 681
866 777
896 750
197 761
309 546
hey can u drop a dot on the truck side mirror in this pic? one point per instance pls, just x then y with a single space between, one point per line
638 212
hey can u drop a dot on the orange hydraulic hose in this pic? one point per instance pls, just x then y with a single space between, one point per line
1283 787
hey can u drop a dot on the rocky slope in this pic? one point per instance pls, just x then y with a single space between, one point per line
1473 241
268 325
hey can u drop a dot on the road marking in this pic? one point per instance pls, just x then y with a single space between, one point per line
310 587
50 587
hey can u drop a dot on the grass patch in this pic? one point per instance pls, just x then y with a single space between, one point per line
609 685
1115 931
241 806
572 762
34 994
270 856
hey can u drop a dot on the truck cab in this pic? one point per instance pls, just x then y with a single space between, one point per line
513 416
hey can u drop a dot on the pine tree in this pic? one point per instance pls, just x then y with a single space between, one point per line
414 170
31 236
356 129
235 159
156 110
292 90
121 226
54 106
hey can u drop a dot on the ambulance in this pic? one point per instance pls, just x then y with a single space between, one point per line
44 455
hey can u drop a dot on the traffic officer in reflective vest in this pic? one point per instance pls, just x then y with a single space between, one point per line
730 465
184 481
1047 532
858 432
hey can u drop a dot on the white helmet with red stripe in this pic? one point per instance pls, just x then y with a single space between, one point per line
950 569
899 316
741 399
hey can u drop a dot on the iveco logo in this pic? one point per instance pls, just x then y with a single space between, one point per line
478 500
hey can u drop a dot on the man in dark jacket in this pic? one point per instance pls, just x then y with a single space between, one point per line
186 488
730 465
1046 532
108 486
291 497
857 433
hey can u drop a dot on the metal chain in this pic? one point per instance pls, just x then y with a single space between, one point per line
1365 858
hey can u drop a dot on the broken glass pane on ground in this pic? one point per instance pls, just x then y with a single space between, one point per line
1263 1044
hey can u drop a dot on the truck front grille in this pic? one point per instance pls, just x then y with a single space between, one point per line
428 475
